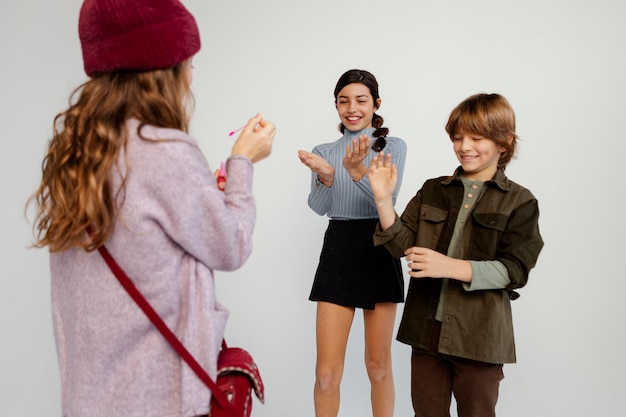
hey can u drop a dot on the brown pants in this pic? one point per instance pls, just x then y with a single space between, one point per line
435 377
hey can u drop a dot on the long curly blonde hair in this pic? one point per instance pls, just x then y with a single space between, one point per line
75 191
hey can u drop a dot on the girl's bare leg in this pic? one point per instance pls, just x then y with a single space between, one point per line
379 326
332 331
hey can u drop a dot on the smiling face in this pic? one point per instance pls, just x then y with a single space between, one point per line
478 155
356 106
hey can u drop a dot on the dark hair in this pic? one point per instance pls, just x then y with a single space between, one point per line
489 115
367 79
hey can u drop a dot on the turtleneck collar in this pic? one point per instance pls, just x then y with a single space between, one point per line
349 135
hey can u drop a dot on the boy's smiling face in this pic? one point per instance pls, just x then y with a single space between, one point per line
478 155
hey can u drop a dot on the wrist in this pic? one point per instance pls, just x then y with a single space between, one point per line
358 173
383 202
461 270
326 181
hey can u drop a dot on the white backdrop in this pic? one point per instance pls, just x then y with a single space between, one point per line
561 65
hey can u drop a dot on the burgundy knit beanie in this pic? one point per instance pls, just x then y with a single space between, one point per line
136 35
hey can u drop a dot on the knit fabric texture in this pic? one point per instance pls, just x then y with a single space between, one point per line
135 35
175 231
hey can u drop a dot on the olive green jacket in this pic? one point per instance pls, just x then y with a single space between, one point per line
503 226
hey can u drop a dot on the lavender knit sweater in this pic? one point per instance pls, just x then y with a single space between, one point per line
174 229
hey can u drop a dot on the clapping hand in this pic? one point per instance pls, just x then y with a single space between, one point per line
325 171
355 155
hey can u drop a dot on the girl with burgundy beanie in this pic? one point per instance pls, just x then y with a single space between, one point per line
121 162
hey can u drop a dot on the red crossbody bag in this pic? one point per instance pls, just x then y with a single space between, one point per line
237 373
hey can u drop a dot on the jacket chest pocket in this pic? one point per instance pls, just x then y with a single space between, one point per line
487 229
431 223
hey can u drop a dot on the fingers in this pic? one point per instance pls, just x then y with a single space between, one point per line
374 162
364 141
255 141
360 147
253 123
256 124
303 156
265 125
316 163
266 128
413 250
415 268
349 151
356 151
382 160
364 144
420 259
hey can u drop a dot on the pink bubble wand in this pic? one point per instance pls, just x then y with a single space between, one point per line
236 130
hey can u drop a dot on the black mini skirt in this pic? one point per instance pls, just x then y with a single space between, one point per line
352 272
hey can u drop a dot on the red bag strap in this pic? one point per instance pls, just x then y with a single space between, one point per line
141 301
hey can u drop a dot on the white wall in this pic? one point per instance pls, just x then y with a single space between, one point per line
560 63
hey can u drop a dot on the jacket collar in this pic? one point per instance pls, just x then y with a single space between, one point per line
499 179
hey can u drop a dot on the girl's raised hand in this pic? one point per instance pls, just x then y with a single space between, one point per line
355 155
325 171
255 141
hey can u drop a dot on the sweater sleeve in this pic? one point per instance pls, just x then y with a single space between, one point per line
179 191
487 275
321 197
346 198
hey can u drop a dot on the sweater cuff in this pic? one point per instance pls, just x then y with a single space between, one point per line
239 170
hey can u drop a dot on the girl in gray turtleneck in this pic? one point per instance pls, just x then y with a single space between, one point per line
352 273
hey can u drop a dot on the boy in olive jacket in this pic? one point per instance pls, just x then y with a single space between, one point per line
470 240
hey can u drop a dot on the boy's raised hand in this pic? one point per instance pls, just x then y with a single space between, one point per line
383 176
